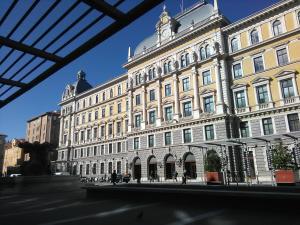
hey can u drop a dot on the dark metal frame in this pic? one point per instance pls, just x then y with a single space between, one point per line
16 80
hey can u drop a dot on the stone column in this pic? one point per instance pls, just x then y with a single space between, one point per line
196 93
159 103
61 130
219 99
176 96
144 96
130 110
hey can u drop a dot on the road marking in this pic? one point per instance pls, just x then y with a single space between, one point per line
99 215
24 201
60 207
184 218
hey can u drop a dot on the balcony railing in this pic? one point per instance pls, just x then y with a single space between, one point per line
241 110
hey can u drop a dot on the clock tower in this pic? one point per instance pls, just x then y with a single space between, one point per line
165 27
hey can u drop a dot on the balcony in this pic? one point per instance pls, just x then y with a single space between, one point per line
289 100
262 106
241 110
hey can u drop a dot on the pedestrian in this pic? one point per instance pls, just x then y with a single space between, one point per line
151 176
184 177
175 176
114 177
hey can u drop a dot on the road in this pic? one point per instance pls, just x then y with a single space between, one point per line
72 207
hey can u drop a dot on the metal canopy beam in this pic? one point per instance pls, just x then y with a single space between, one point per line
106 8
11 82
123 21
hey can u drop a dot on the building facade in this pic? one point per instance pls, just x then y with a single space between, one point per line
199 82
2 144
13 157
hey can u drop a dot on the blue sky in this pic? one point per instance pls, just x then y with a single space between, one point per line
101 63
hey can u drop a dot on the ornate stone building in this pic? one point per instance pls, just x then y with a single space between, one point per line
199 82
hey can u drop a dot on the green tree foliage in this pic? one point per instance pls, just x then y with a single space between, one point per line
212 161
282 158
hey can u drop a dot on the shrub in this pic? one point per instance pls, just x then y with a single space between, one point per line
282 158
212 161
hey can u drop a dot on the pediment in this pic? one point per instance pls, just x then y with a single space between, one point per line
260 79
166 102
151 106
137 110
207 91
239 85
283 73
185 96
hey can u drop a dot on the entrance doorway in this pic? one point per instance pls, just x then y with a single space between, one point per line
170 167
152 167
190 166
137 168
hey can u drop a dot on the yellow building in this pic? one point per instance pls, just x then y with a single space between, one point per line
199 82
13 157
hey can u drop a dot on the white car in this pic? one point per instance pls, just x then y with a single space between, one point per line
62 174
15 175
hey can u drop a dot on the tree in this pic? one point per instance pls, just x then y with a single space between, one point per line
39 163
282 158
212 161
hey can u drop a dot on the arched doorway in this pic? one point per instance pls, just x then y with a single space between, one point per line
190 165
152 167
74 170
170 166
137 168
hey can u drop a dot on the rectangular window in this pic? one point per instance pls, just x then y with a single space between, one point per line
65 139
96 115
95 150
152 95
110 148
168 113
282 57
119 107
168 138
82 135
209 132
187 135
136 143
118 167
262 94
244 128
102 131
88 134
102 168
151 141
83 119
88 151
151 117
118 127
237 70
168 91
186 84
127 105
206 77
119 147
102 150
95 132
138 121
267 126
258 64
81 152
76 138
110 129
103 112
89 117
138 99
287 88
208 104
126 125
75 153
187 109
293 120
111 110
240 99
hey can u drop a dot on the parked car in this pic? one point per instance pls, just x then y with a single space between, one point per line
15 175
62 174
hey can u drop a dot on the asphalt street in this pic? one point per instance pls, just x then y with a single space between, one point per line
72 207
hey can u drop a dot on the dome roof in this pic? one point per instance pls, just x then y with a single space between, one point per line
81 85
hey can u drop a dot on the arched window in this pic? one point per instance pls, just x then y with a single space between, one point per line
111 93
154 72
182 61
208 52
277 28
170 66
202 54
234 45
150 74
254 36
103 96
119 90
84 103
97 99
90 101
187 58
